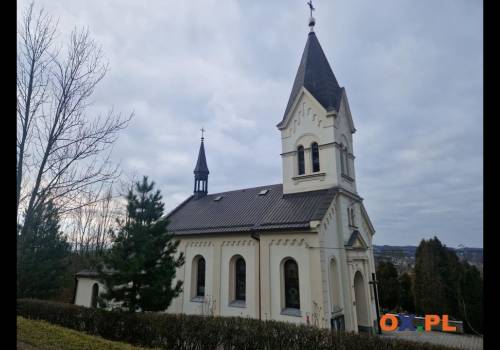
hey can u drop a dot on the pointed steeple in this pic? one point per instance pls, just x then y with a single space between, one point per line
316 75
201 173
201 165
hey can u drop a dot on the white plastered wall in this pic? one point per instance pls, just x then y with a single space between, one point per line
308 249
309 122
334 232
84 286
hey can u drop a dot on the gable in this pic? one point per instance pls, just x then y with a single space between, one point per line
356 241
304 105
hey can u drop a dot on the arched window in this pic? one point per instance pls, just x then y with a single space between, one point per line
95 293
291 277
200 276
300 160
240 279
315 157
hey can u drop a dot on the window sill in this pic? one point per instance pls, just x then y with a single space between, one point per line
198 299
238 303
291 312
347 177
306 177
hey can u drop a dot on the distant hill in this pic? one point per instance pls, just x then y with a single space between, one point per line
404 256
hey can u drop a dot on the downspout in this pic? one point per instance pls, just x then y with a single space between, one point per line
257 238
74 289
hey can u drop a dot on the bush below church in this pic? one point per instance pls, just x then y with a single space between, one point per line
192 332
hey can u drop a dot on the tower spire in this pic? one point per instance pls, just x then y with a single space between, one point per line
316 75
201 171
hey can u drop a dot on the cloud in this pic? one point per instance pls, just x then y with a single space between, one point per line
412 71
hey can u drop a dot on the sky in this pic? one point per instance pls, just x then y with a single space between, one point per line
412 71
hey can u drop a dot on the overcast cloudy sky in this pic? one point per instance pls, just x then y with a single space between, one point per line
412 70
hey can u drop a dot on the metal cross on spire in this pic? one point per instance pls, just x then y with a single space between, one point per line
312 21
311 7
202 131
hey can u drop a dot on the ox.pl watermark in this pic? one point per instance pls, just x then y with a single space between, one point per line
393 322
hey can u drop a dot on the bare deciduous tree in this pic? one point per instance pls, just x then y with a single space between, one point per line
61 151
92 223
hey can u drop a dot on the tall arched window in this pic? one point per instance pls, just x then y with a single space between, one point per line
95 293
240 279
291 277
315 157
200 276
300 160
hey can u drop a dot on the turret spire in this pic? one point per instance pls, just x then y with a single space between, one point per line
201 171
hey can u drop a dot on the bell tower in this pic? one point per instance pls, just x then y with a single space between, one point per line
317 126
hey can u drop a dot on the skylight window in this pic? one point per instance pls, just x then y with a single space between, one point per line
218 198
263 192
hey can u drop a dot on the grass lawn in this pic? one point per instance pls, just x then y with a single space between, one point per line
41 335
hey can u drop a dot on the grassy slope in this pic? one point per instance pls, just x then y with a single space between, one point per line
43 335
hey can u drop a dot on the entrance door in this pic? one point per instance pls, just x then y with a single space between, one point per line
361 304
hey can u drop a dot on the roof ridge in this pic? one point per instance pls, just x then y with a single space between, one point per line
241 189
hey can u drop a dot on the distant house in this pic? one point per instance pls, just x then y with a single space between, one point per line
299 251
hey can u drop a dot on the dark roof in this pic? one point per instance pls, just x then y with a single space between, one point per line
91 273
246 211
86 273
316 75
201 165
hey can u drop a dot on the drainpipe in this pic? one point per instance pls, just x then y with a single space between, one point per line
74 289
257 238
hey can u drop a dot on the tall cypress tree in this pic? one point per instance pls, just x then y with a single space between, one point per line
42 255
429 287
388 287
139 269
406 300
471 299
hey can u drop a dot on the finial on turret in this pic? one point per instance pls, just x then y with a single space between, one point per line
312 21
202 131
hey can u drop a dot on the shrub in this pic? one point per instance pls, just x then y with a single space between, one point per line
194 332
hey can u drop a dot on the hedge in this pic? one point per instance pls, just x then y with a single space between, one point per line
36 334
195 332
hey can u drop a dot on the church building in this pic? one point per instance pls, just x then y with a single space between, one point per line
299 251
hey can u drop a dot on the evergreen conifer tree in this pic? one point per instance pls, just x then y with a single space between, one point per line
139 269
42 255
445 285
406 300
471 299
429 288
388 286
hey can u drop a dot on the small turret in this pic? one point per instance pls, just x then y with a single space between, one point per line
201 173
